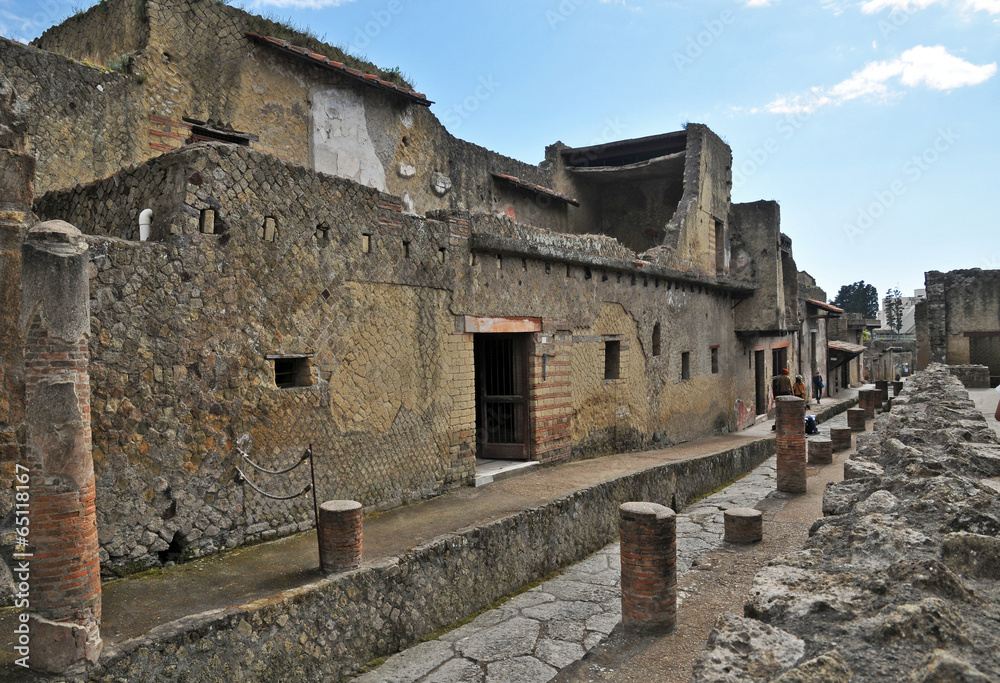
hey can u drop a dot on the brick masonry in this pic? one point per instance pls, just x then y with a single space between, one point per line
820 451
856 419
65 577
841 438
743 525
649 567
791 434
340 535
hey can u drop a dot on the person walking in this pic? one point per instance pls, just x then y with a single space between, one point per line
799 388
818 386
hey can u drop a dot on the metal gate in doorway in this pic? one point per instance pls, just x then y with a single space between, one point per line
502 395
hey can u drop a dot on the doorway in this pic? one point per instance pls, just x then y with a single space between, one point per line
502 395
760 381
984 349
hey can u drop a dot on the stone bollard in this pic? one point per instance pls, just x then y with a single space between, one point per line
897 388
856 419
743 525
820 451
339 535
790 425
841 438
649 567
882 386
64 612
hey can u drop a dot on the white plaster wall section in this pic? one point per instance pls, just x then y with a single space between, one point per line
339 143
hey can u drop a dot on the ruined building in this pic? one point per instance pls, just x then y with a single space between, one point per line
326 265
959 324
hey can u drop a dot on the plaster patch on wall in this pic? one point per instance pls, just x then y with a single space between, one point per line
339 143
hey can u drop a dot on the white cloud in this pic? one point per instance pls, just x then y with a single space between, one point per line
933 67
991 6
873 6
760 3
300 4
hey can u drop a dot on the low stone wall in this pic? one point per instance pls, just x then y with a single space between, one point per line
899 580
972 376
330 628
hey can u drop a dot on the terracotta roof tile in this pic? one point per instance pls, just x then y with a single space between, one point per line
327 63
532 187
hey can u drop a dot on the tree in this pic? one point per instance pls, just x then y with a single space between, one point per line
894 309
858 298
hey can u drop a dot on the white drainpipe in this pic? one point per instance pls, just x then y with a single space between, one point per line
145 219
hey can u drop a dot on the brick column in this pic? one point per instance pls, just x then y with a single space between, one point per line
897 388
856 419
866 401
649 571
882 386
841 438
339 535
790 424
65 573
821 451
743 525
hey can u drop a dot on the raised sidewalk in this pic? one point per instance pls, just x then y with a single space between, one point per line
262 580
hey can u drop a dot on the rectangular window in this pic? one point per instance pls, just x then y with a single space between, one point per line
612 359
685 365
291 371
715 360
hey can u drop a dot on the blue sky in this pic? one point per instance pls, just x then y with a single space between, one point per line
873 123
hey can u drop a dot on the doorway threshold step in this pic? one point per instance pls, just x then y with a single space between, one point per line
489 471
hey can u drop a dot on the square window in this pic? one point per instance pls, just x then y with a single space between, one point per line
612 359
291 371
685 365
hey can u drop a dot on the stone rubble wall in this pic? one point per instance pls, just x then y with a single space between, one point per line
898 581
972 376
328 629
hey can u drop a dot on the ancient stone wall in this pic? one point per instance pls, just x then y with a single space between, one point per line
899 580
182 334
756 256
85 122
330 628
963 317
110 30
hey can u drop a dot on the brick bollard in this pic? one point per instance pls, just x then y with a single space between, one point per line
882 386
339 535
856 419
841 438
790 425
64 613
866 401
820 451
897 388
649 567
743 525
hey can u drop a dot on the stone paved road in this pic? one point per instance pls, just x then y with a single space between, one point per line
530 637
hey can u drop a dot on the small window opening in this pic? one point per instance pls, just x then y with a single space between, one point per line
656 339
569 270
587 274
441 254
548 268
645 281
406 249
604 276
524 265
268 229
612 359
291 372
207 221
633 279
715 360
322 234
499 262
686 365
366 243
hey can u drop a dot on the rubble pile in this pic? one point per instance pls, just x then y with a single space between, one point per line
899 580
